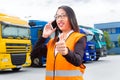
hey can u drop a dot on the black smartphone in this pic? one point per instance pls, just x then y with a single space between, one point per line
54 24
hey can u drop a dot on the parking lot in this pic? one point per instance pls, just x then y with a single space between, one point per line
107 68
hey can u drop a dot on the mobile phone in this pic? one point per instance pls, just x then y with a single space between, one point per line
54 24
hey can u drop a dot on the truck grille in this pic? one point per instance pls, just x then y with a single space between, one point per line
18 59
17 48
91 47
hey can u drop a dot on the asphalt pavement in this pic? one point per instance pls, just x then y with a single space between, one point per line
107 68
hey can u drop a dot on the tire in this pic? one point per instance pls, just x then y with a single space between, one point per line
16 69
37 62
97 58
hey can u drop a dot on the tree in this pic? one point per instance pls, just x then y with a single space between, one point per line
107 39
119 40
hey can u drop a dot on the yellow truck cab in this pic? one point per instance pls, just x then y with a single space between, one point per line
15 44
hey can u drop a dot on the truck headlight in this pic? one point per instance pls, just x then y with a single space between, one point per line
4 60
87 53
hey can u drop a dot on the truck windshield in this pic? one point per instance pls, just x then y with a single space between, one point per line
100 37
89 37
13 31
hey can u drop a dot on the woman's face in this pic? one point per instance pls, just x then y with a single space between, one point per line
62 20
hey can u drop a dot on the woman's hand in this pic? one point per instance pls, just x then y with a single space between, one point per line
61 46
48 30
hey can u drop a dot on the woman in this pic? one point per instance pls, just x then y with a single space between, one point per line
65 51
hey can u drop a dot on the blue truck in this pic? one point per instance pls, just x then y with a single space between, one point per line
36 28
98 39
100 43
90 51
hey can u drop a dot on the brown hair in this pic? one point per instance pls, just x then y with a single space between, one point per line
72 19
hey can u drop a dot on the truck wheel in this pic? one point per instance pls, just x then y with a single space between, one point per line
97 58
40 62
16 69
37 62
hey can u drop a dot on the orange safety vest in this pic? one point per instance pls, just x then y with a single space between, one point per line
57 67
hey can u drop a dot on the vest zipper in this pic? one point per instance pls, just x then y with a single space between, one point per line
54 67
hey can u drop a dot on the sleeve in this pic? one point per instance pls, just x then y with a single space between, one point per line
76 57
40 48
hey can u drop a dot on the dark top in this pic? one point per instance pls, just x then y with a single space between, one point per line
74 57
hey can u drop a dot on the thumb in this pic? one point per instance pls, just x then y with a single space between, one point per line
61 37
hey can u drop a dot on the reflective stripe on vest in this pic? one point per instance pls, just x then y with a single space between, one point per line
64 73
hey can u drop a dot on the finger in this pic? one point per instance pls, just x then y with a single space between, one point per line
61 37
47 26
53 30
61 50
50 26
61 46
50 23
60 43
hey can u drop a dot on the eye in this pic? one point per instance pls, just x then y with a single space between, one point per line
60 16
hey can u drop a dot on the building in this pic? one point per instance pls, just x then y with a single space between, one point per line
113 28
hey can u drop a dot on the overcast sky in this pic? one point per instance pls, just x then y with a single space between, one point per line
88 12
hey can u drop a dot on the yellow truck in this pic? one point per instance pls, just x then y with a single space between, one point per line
15 44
